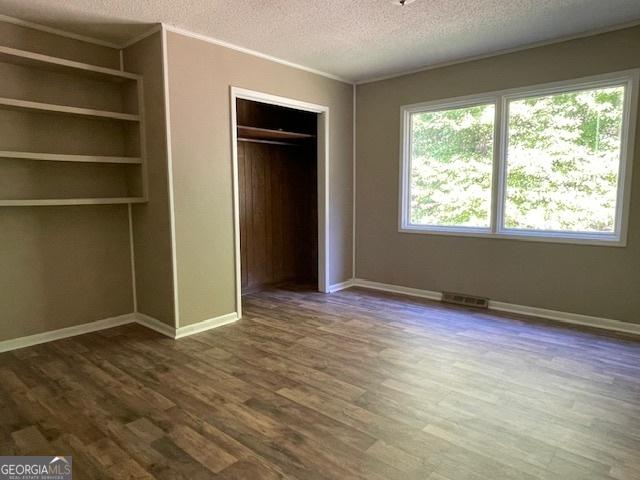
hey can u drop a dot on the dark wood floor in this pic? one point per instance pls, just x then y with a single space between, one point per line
343 386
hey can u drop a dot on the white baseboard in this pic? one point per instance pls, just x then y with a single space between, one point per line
206 325
336 287
155 324
387 287
171 332
140 318
181 332
565 317
44 337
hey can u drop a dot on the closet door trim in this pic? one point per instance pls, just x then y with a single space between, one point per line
323 180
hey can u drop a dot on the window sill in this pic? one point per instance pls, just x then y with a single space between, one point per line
593 240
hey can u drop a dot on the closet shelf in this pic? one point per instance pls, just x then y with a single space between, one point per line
270 142
59 157
69 201
12 103
117 149
255 133
37 60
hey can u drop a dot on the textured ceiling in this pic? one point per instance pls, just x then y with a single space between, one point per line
355 40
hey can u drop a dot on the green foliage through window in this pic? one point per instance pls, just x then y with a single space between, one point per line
563 159
561 163
451 166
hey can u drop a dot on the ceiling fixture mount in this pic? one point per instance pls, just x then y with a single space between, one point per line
402 3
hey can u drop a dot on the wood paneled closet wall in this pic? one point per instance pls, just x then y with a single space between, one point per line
277 169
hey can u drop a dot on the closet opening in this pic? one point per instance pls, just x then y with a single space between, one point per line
280 193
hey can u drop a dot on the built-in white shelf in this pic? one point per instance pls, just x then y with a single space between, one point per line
69 201
15 104
48 184
38 60
59 157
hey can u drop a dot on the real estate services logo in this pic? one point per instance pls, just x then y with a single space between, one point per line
35 468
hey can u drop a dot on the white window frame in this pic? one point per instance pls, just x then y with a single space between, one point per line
500 99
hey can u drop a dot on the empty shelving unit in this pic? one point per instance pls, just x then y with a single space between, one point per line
71 133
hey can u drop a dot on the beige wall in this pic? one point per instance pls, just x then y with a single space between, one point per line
64 266
151 221
60 266
200 76
599 281
23 38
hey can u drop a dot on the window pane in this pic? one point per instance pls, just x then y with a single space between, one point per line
451 167
563 158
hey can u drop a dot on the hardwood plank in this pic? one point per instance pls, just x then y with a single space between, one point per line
30 441
355 385
210 455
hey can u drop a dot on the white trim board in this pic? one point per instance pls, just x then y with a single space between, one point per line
38 338
386 287
187 330
323 166
506 51
567 317
172 209
154 324
166 27
205 325
336 287
564 317
231 46
354 174
248 51
139 318
56 31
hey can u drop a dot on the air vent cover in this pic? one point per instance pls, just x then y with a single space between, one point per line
466 300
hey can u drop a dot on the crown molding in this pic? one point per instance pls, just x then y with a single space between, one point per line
56 31
248 51
159 26
506 51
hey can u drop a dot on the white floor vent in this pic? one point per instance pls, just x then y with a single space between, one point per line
466 300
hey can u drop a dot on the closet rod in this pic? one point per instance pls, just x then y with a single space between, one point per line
270 142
